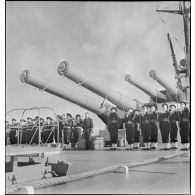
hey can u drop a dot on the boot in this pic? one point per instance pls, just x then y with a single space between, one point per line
167 146
172 145
152 145
163 146
131 146
148 145
137 145
175 145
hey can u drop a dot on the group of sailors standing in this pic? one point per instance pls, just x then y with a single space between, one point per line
71 129
148 122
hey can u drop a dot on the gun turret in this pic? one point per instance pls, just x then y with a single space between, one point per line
117 98
70 95
174 92
154 94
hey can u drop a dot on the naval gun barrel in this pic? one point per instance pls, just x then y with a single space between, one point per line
175 93
70 95
121 101
155 94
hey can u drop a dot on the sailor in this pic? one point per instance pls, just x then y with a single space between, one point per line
145 126
60 126
14 122
174 126
154 126
29 121
37 120
48 120
113 125
42 121
7 123
136 122
164 127
67 130
77 126
129 127
87 130
184 117
22 122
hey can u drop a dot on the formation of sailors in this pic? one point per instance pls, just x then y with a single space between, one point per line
71 129
147 123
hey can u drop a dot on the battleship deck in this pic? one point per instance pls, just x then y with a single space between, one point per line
153 177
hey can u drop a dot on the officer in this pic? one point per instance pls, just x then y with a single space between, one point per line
87 130
145 126
174 126
164 126
136 122
129 126
67 130
77 126
184 117
154 126
113 125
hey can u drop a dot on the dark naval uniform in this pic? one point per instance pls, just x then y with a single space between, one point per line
184 117
136 121
77 125
87 130
113 125
145 127
164 126
153 125
129 125
67 131
173 119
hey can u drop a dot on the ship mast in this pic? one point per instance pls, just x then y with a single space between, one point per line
184 69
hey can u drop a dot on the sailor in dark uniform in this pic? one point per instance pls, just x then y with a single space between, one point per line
136 122
48 121
184 117
164 127
154 126
113 125
77 126
174 126
60 126
87 130
29 121
67 130
129 127
145 126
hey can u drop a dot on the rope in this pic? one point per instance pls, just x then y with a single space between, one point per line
72 178
45 87
167 29
78 84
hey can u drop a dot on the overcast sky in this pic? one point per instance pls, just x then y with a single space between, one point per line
104 39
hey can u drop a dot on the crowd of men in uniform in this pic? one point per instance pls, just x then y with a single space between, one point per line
71 129
143 123
146 122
